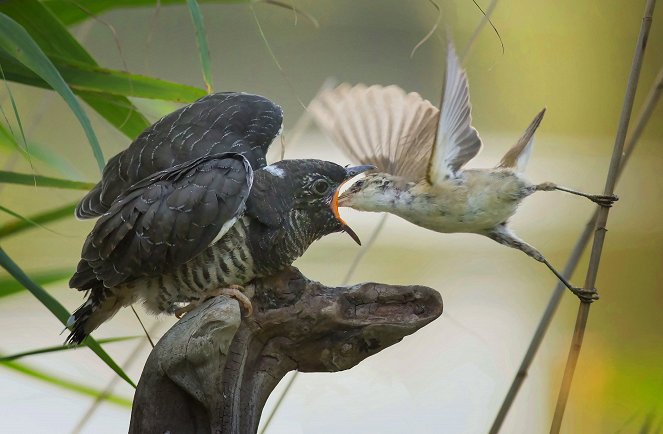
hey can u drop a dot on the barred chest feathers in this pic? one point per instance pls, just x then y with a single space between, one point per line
242 254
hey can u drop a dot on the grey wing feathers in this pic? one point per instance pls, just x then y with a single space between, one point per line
165 220
518 155
457 142
379 125
217 123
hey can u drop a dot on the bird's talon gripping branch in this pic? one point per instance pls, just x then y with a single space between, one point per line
235 291
586 295
232 291
604 200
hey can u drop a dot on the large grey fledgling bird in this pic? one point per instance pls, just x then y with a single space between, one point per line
420 152
191 209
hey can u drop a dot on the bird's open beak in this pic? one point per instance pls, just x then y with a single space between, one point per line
351 173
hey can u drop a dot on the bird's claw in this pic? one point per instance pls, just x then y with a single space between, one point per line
232 291
235 291
586 295
604 200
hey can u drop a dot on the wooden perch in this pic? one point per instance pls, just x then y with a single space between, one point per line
213 370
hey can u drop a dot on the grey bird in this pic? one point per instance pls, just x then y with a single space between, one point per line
191 210
420 152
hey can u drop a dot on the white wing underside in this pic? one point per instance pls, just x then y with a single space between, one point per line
379 125
457 142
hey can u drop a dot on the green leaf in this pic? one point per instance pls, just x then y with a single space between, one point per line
65 384
54 38
9 285
42 181
58 310
25 220
19 225
73 12
59 348
91 78
118 111
201 40
15 40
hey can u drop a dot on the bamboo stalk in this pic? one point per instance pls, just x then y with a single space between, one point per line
556 297
602 217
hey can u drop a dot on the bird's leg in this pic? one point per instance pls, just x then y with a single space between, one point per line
504 236
600 199
233 291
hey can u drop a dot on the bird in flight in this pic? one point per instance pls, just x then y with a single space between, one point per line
191 210
420 150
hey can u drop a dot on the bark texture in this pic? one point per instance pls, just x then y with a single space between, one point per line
213 370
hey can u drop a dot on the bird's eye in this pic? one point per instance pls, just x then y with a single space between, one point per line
320 187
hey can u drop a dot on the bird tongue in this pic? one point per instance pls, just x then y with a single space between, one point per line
344 226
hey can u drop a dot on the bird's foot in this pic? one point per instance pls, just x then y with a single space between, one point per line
232 291
586 295
235 291
603 199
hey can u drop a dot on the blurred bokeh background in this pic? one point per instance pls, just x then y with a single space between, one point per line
571 56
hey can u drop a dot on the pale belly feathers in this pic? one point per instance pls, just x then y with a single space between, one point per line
475 202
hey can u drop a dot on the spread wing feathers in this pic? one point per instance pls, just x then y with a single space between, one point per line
379 125
518 155
165 220
217 123
457 142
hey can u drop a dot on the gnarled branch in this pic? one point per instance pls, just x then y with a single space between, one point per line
213 371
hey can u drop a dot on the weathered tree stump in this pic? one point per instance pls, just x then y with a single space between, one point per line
213 370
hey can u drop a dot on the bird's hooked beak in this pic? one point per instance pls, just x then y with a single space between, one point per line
351 172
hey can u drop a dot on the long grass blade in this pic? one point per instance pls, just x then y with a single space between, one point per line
9 285
25 220
83 77
15 40
20 225
62 383
59 348
57 310
201 41
55 40
42 181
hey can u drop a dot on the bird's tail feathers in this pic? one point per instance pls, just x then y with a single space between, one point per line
97 309
518 156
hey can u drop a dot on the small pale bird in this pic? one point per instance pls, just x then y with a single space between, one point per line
191 210
420 152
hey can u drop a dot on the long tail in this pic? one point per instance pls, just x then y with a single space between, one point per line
518 155
102 303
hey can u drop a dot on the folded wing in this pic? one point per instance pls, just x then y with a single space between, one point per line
165 220
223 122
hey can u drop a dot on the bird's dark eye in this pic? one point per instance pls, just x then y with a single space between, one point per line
320 187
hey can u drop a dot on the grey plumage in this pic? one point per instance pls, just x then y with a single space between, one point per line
180 233
217 123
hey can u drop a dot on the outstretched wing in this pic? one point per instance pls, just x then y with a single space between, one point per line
165 220
377 125
223 122
457 142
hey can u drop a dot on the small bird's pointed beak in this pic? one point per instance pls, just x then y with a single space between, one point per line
351 173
